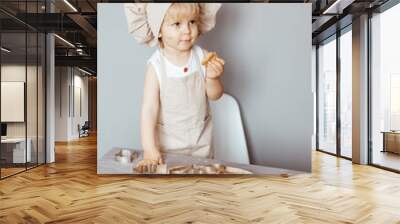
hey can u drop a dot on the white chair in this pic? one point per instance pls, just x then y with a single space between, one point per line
229 140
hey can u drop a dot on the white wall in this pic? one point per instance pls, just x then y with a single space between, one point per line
15 72
68 82
80 83
61 103
267 50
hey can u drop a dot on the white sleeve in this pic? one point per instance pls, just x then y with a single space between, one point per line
154 62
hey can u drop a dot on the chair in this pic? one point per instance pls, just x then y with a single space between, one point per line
229 140
84 130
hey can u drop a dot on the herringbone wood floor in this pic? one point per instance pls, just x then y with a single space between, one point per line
70 191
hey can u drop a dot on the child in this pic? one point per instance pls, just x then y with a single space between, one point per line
175 116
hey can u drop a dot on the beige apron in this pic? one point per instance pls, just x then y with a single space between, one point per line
184 124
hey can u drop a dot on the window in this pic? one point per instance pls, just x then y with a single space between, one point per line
346 93
327 96
385 89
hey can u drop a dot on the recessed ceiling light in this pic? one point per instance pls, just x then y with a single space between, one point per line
5 50
84 71
337 7
70 5
64 40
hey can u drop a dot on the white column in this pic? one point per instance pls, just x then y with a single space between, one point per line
360 90
50 92
50 100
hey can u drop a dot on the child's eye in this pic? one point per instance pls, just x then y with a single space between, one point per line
176 24
192 21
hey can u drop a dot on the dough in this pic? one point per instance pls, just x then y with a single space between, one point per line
209 57
125 156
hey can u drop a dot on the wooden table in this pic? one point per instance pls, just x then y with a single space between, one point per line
391 141
108 164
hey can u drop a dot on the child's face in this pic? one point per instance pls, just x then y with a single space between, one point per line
179 29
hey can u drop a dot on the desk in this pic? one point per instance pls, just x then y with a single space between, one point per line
391 141
16 147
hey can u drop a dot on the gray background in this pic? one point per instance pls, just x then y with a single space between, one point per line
267 49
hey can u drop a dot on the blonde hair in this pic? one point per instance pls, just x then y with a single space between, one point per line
179 11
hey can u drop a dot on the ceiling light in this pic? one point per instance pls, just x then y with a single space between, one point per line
79 51
65 41
84 71
331 7
5 50
70 5
338 6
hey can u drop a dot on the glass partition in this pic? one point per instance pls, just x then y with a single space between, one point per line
41 107
14 153
32 95
22 77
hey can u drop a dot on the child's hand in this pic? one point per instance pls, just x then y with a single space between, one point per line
214 67
151 158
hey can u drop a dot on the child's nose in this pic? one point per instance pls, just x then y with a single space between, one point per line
186 28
